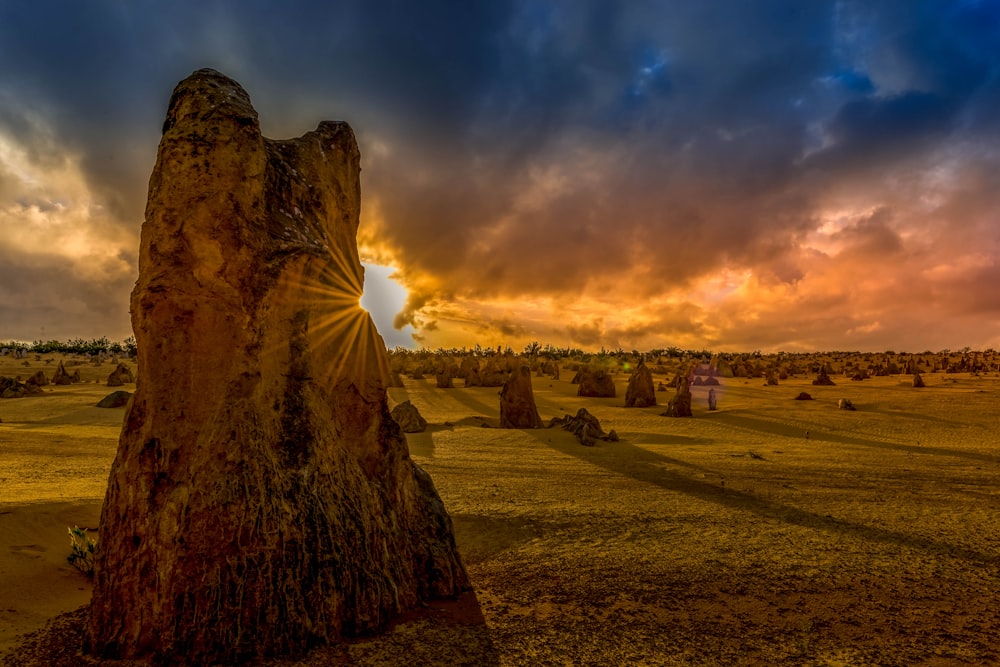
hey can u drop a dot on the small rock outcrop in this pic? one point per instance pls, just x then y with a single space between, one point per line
918 381
845 404
262 500
596 384
803 396
680 403
443 378
61 377
409 418
640 392
823 378
120 376
115 399
13 388
585 427
38 379
517 401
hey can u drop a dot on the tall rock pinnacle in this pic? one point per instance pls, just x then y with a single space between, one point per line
262 500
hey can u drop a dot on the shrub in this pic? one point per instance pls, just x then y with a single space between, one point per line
81 550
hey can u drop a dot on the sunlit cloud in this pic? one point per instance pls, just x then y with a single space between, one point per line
708 175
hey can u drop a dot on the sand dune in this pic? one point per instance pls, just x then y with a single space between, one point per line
728 538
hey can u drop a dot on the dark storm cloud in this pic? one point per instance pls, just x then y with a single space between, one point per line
530 148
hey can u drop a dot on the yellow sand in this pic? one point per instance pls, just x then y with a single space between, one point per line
728 538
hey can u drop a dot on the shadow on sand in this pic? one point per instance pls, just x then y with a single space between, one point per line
735 419
655 468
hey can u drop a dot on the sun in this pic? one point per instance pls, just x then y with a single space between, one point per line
383 297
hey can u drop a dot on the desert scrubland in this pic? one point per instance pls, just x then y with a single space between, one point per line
769 531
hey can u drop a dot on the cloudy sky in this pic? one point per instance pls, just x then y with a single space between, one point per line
798 175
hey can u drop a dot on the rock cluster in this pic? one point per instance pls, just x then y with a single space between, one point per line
585 427
14 388
262 500
680 403
61 377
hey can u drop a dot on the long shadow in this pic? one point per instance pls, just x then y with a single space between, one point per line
637 463
733 418
480 407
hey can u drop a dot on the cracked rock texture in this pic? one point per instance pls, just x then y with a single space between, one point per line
262 501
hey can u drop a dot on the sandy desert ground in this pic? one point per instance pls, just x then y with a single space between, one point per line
730 538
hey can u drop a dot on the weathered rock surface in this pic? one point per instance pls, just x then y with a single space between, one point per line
680 403
598 384
409 418
640 392
120 376
585 427
918 381
115 399
803 396
845 404
517 401
262 500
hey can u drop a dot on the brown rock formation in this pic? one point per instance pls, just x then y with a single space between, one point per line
640 392
823 378
468 366
13 388
409 418
120 376
443 377
262 500
803 396
61 377
115 399
473 379
395 380
494 372
37 380
918 381
680 404
585 427
599 384
517 401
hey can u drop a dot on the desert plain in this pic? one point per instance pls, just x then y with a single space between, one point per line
768 532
